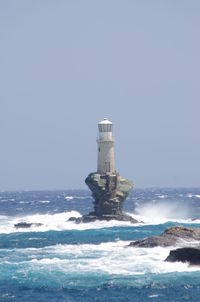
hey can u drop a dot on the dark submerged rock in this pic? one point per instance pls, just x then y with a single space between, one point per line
170 237
185 254
26 225
109 192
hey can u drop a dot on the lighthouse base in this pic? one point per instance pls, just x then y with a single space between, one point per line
93 217
109 192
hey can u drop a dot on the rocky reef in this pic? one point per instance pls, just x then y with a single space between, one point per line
109 192
180 236
170 237
185 254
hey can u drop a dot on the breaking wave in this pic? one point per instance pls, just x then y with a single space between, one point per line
159 213
146 215
56 222
89 262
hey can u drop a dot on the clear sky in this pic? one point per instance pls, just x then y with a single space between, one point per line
65 65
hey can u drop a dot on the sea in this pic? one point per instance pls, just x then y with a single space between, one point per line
64 261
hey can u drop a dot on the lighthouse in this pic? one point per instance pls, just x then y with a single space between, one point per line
109 189
105 148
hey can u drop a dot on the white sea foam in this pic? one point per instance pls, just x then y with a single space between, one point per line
57 222
162 196
44 201
69 198
151 214
153 296
49 222
156 213
190 195
111 258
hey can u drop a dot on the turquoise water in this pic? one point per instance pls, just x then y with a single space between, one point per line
63 261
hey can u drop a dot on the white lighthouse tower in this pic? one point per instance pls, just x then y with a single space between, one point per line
105 144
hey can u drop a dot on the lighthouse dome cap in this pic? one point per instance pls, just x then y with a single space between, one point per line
105 121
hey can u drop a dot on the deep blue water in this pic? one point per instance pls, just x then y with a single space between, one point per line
63 261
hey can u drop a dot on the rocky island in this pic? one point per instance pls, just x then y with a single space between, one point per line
109 192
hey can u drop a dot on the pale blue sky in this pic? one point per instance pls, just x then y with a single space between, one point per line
64 65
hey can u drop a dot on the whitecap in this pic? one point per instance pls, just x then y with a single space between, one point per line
153 296
69 198
194 195
162 196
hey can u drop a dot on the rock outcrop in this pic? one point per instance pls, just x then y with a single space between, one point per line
171 236
185 254
26 225
109 192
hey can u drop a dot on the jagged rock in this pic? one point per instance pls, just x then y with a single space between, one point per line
153 242
185 254
109 192
26 225
170 237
